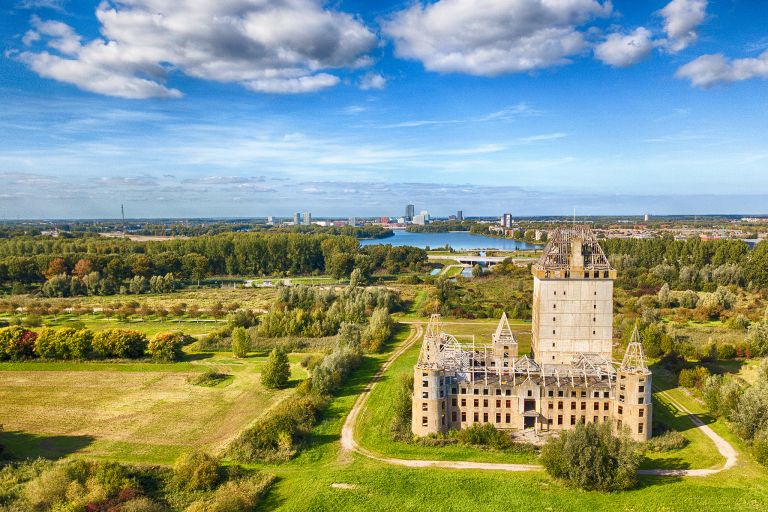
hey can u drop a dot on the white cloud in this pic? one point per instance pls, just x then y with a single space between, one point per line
542 137
620 50
492 37
372 81
714 69
280 46
681 19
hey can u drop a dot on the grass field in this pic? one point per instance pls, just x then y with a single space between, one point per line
134 412
310 482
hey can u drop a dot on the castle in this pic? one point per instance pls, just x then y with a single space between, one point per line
570 376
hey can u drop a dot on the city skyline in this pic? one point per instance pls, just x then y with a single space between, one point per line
614 108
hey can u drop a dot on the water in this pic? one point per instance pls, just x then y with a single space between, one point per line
459 240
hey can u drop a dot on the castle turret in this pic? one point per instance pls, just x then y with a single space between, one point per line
428 411
632 403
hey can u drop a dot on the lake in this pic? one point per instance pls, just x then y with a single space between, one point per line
458 240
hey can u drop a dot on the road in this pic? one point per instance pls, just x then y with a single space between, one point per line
349 444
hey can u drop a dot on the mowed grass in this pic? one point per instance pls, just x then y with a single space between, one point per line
310 482
134 411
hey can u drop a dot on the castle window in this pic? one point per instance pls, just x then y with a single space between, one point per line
509 404
498 417
605 406
554 306
424 421
605 274
594 306
508 392
583 406
641 412
586 274
560 392
477 402
640 400
573 394
476 417
507 418
596 406
639 428
583 394
530 393
573 406
425 383
573 419
559 419
498 392
463 402
605 419
596 274
641 389
554 319
583 419
424 374
555 292
621 398
463 391
485 403
485 391
498 404
594 319
595 293
551 405
593 332
463 416
597 394
424 406
453 391
594 419
606 394
425 394
453 402
553 358
621 410
453 416
560 405
476 391
550 393
485 417
442 406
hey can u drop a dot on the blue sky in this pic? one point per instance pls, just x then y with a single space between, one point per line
256 107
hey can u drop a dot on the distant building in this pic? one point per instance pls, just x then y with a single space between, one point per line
307 219
384 220
420 219
507 220
410 210
353 221
646 217
296 219
270 220
459 215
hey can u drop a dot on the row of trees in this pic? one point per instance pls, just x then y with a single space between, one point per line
67 343
29 261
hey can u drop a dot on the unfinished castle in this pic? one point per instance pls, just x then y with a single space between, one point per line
569 377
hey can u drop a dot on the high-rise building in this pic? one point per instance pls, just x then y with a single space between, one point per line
296 219
270 220
352 221
507 220
647 217
420 219
307 219
410 210
459 215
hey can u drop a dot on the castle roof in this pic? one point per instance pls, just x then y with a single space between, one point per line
573 247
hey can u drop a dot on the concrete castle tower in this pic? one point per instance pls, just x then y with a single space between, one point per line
572 299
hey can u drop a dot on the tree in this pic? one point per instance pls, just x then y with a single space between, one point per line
166 346
592 458
55 267
277 370
349 336
82 268
195 265
57 286
355 278
477 270
340 265
241 342
137 285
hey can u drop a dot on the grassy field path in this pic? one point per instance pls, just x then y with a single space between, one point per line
349 444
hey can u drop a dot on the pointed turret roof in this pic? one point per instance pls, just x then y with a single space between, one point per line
503 332
634 358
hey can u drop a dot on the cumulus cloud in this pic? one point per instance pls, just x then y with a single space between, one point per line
372 81
681 19
492 37
622 50
714 69
280 46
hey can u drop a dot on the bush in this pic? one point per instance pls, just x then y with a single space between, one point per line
666 442
760 447
196 471
592 458
64 343
402 403
120 343
209 378
17 343
236 495
484 434
726 351
693 378
241 342
166 346
277 370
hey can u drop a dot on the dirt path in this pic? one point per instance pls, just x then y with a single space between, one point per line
349 444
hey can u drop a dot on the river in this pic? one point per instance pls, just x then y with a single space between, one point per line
458 240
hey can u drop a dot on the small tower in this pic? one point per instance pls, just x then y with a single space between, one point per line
504 344
632 406
428 405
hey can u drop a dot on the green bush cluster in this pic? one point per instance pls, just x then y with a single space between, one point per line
17 343
277 370
166 346
119 343
591 457
402 403
693 378
667 442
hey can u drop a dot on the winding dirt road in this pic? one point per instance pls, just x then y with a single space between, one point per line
349 444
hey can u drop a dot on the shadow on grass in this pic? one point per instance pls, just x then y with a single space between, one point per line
197 356
24 445
665 463
272 500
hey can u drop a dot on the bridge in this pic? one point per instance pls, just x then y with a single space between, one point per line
488 261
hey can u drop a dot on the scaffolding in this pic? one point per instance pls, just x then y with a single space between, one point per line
558 253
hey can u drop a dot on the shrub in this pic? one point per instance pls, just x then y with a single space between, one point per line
241 342
277 370
666 442
311 361
378 331
209 378
166 346
196 471
119 343
17 343
693 377
483 435
592 458
64 343
402 403
760 447
726 351
236 495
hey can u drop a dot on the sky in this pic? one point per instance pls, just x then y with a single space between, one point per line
242 108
